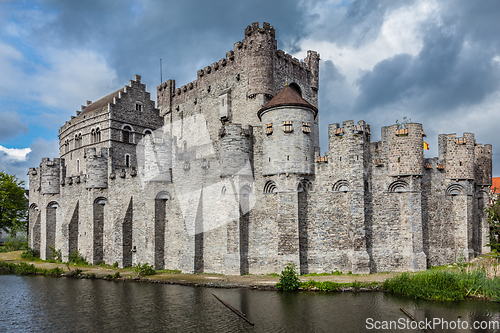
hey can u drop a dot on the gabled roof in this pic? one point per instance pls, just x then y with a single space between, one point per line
287 96
102 102
495 184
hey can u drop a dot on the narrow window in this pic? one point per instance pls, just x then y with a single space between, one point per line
138 107
288 157
97 135
127 161
92 136
77 167
126 134
306 127
269 129
269 159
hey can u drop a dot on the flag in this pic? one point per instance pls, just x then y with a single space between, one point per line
426 145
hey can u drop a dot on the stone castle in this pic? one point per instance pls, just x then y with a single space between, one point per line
225 175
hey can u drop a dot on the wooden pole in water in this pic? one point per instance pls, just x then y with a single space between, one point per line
413 318
234 310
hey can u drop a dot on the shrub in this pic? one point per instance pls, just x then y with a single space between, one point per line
115 264
15 243
25 269
117 275
289 278
144 269
56 271
77 258
30 254
56 254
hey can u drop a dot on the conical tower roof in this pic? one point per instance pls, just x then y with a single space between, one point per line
287 96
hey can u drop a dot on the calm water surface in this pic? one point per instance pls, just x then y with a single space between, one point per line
45 304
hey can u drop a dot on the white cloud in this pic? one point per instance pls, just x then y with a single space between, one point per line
15 153
73 77
399 34
18 161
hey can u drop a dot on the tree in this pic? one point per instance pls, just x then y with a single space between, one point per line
13 204
493 211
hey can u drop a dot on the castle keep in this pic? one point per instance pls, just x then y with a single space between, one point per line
224 175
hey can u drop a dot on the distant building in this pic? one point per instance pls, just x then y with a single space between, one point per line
224 175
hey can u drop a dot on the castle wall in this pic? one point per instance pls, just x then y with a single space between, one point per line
200 194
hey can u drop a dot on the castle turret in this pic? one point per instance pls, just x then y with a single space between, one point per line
261 47
404 149
164 93
235 149
312 63
483 156
50 176
458 155
96 163
288 145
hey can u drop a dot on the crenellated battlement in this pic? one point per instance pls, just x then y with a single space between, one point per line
254 28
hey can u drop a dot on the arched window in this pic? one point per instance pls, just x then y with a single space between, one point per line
76 141
92 136
127 160
146 132
126 135
270 187
98 135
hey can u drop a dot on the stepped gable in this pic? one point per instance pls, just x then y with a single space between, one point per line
102 102
287 96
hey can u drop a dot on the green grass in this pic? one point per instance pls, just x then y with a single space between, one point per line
169 271
324 274
444 285
23 268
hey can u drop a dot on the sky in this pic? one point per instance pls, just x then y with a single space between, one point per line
434 62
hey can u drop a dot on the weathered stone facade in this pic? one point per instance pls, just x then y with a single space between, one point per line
224 175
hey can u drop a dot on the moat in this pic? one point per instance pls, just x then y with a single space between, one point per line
46 304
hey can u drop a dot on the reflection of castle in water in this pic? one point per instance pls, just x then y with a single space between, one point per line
225 176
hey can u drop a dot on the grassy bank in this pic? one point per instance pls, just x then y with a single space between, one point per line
450 284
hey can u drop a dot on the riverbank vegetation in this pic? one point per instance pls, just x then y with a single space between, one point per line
289 281
451 283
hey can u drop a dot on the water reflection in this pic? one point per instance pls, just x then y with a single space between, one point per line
37 304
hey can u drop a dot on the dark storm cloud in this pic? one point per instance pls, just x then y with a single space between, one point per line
11 125
187 35
452 69
358 24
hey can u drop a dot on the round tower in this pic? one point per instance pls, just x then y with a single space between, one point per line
50 176
96 164
288 145
235 149
404 149
260 47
